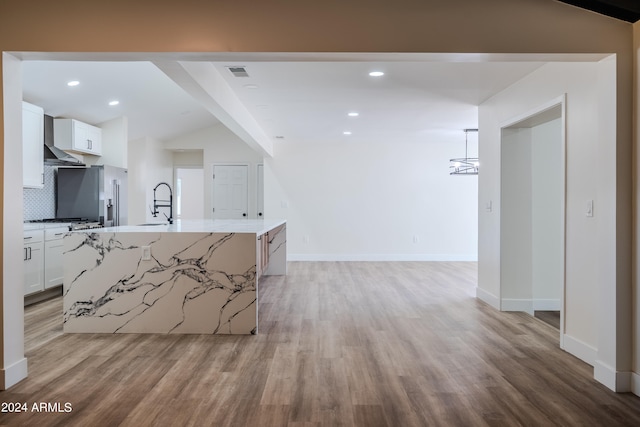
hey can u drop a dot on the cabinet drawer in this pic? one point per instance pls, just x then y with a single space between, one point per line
55 233
33 236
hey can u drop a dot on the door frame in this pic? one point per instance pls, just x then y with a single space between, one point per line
541 109
259 190
249 173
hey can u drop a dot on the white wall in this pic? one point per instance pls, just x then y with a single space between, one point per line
349 201
547 191
589 258
115 140
188 158
516 214
150 165
14 364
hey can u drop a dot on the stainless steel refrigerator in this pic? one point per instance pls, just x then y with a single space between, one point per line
97 193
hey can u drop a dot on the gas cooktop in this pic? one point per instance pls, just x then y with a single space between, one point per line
74 223
48 220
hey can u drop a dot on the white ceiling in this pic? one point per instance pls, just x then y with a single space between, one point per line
301 101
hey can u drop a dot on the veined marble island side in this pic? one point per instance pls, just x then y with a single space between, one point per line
191 277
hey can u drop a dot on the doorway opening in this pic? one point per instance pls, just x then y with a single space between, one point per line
189 187
532 221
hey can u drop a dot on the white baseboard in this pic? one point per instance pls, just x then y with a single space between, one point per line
508 304
487 297
618 381
579 349
546 304
604 374
13 374
530 305
383 257
635 383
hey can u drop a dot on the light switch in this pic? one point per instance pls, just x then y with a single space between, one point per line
146 253
589 210
488 206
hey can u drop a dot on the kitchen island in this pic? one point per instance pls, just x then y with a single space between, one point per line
190 277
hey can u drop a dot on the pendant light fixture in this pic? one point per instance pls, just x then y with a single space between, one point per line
464 165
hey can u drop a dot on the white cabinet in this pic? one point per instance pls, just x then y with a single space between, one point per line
32 146
33 256
53 247
73 135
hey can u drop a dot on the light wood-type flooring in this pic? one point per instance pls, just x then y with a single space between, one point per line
339 344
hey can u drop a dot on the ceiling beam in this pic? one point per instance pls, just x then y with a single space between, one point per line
202 81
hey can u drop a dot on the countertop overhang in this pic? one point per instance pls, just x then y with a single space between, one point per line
254 226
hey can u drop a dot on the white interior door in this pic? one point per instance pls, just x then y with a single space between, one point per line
260 191
230 191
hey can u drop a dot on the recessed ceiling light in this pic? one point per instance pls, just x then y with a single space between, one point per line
115 102
353 114
250 86
347 132
73 83
376 74
279 137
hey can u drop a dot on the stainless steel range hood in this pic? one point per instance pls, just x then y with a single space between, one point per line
54 156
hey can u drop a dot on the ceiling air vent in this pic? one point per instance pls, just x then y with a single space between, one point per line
238 71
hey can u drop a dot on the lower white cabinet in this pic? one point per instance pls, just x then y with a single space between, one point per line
33 256
53 247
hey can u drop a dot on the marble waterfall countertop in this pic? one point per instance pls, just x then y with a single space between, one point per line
257 226
191 277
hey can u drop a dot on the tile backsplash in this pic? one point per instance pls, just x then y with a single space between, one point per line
41 203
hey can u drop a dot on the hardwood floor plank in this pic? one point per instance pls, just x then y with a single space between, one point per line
43 322
339 344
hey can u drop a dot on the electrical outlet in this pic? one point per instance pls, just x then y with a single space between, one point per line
415 238
146 253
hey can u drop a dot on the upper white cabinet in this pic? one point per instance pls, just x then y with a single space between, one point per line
32 146
73 135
